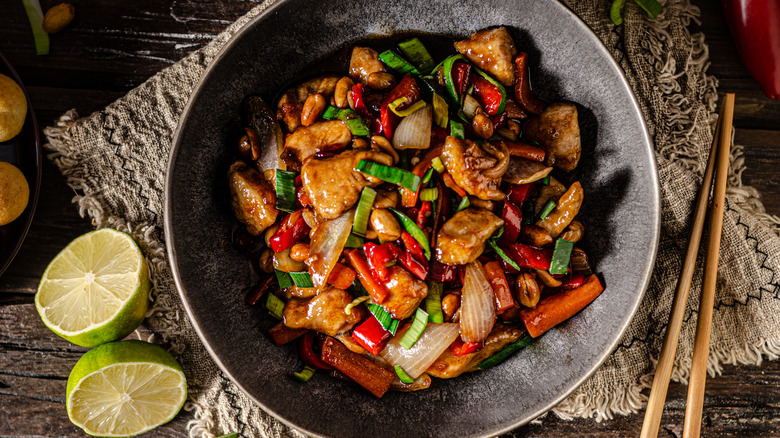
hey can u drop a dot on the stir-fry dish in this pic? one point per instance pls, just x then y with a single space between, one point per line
409 219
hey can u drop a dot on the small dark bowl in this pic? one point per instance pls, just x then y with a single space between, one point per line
25 152
621 213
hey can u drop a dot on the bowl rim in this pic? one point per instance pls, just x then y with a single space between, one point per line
176 143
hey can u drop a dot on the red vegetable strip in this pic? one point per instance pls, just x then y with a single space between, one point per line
407 88
292 231
500 285
413 246
306 351
441 272
523 94
358 100
408 197
341 276
525 150
513 221
530 257
421 217
460 348
371 335
378 256
449 182
378 292
362 370
573 282
557 308
519 193
487 94
259 290
460 74
414 265
281 334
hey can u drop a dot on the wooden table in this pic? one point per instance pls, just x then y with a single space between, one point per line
113 46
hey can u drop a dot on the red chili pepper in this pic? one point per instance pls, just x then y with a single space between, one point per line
519 193
414 265
411 245
460 74
421 214
530 257
459 348
487 94
377 291
523 94
358 100
499 120
287 236
406 88
408 197
449 182
306 351
378 257
500 286
438 136
301 198
371 335
755 26
513 221
441 272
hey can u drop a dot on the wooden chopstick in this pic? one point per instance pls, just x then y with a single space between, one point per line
701 345
663 371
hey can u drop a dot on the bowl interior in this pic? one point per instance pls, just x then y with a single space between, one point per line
621 214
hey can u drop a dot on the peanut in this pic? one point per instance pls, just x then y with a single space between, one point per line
536 236
482 126
527 290
312 109
574 232
266 261
385 225
342 91
58 17
299 252
449 305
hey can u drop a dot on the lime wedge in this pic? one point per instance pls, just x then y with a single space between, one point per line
95 290
125 388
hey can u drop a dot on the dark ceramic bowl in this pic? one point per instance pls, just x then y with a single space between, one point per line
621 213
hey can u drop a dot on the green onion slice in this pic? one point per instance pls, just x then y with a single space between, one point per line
305 374
440 111
614 12
285 190
438 165
353 240
431 194
547 209
363 211
433 301
498 85
456 130
398 64
427 176
384 317
505 352
402 375
331 113
415 51
652 7
355 302
230 435
357 289
528 213
35 17
302 279
393 106
411 227
416 330
447 65
546 180
494 244
274 305
464 203
284 279
561 256
357 127
393 175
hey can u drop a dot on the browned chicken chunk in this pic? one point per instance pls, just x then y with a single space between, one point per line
333 184
291 103
252 197
462 239
309 140
491 50
448 366
323 313
299 292
558 131
477 169
363 63
406 293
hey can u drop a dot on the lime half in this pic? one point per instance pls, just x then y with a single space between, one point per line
125 388
96 289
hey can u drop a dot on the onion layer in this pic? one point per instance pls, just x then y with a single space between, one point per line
414 131
478 304
327 243
434 341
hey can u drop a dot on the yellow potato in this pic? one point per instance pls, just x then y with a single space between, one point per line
14 193
13 108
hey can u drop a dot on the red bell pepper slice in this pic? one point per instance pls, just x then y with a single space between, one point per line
408 197
519 193
459 348
460 74
407 88
530 257
414 265
412 246
487 94
423 213
359 101
500 286
442 273
371 335
377 291
523 94
306 351
449 182
573 282
513 221
378 257
499 120
288 235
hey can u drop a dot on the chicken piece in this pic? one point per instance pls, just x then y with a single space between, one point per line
492 50
323 313
299 292
406 293
333 184
448 366
290 104
364 61
558 131
306 141
553 191
477 169
253 199
462 238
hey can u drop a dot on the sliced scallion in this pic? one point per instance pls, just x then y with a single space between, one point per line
411 227
438 165
331 113
302 279
398 64
402 375
363 211
284 279
433 301
431 194
35 17
354 241
614 12
357 127
416 330
415 51
652 7
547 209
393 106
498 85
305 374
384 317
561 256
390 174
427 176
494 244
275 306
285 190
357 301
456 130
464 203
546 180
440 111
505 352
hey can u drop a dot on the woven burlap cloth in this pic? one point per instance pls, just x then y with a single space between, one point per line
115 159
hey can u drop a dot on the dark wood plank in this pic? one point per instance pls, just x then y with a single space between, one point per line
762 155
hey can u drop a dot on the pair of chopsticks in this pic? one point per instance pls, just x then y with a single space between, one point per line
693 411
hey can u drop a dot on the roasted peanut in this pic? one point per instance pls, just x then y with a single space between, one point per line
527 290
574 232
270 176
547 279
342 92
536 236
58 17
359 143
299 252
385 225
507 134
386 198
383 144
513 126
254 143
449 305
312 109
269 233
482 126
381 80
266 261
371 234
244 146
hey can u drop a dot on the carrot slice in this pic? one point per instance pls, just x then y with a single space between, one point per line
362 370
557 308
